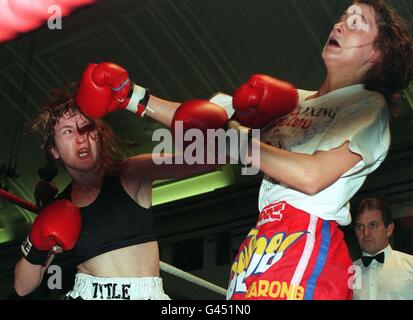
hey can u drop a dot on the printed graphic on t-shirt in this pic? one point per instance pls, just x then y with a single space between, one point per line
293 131
299 127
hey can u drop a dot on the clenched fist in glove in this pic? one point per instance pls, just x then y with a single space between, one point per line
106 87
57 227
200 114
263 99
197 114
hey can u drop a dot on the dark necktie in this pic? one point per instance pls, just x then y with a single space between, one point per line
367 260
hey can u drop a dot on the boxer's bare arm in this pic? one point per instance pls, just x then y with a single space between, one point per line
27 276
161 110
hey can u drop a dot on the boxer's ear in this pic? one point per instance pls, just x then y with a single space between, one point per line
54 153
375 57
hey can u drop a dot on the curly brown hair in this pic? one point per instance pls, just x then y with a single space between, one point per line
392 74
61 101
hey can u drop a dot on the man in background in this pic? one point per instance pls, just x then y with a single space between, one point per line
381 273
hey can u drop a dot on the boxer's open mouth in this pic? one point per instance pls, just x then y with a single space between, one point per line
333 42
83 153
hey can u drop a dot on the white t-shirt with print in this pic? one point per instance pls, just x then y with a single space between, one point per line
348 114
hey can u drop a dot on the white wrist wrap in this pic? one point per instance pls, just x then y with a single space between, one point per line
135 101
225 102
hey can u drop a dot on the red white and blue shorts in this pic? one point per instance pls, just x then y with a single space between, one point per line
291 255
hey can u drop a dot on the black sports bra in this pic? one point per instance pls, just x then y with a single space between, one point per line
111 222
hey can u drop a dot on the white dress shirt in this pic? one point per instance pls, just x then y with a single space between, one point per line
392 280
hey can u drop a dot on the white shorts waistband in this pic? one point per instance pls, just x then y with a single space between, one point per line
89 287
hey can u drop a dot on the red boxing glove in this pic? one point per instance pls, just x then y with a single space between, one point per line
105 87
263 99
198 114
58 224
102 89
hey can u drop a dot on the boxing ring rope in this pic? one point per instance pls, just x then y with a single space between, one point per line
21 16
191 278
8 196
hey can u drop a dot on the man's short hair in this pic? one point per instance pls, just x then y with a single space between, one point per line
375 203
